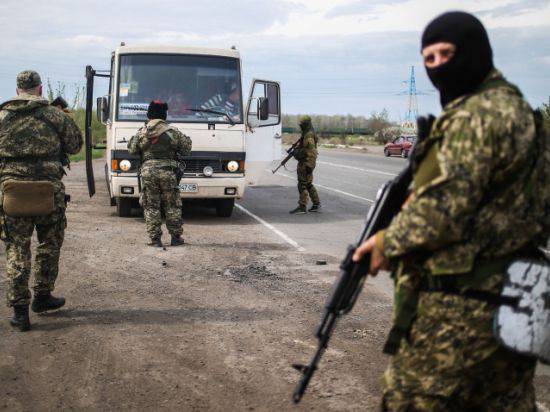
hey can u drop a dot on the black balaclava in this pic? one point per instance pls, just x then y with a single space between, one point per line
473 58
157 110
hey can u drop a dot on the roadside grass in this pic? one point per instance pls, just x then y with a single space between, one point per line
333 141
80 156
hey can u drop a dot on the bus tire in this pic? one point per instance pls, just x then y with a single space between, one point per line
224 207
123 206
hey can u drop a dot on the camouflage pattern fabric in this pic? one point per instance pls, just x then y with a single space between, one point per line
17 233
305 185
28 79
452 362
31 133
306 154
158 144
478 206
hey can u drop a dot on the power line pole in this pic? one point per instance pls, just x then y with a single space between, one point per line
412 110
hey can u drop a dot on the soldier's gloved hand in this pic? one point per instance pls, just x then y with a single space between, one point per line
377 259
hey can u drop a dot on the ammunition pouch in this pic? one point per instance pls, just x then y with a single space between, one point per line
28 198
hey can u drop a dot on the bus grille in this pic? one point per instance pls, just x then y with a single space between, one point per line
195 166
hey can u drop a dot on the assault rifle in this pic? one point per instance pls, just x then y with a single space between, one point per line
290 152
347 288
180 168
62 104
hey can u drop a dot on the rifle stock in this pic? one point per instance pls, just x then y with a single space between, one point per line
349 285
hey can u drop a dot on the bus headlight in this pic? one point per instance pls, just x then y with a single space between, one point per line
125 165
232 166
208 171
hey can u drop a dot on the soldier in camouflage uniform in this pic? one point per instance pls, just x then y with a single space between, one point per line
34 137
477 203
306 154
159 144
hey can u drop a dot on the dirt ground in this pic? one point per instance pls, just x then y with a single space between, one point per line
214 325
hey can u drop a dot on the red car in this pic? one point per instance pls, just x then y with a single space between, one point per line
401 146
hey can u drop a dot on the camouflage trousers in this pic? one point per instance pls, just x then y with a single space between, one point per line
305 185
161 195
16 234
452 362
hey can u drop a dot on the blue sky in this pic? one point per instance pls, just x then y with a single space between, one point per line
331 56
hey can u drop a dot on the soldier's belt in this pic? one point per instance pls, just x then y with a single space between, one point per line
28 198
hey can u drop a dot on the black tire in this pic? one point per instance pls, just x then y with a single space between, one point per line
224 207
404 153
124 206
386 152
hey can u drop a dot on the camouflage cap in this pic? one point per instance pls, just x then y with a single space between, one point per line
28 79
304 119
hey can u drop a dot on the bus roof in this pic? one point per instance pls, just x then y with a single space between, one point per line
177 50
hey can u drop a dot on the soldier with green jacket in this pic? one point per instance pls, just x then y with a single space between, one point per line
477 203
34 137
159 144
306 154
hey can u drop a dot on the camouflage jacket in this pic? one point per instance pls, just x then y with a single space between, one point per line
306 152
159 143
32 136
477 203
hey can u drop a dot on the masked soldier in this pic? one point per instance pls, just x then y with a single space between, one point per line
306 154
159 144
477 203
34 138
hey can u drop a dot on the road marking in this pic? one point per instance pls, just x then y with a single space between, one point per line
282 235
542 408
355 168
331 189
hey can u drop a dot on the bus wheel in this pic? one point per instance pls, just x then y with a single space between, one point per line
123 206
224 207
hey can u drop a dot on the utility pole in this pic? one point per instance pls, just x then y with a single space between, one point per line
412 110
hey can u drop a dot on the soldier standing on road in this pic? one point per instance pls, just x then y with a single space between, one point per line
476 205
159 144
34 137
306 154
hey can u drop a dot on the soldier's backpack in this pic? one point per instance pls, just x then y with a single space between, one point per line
525 325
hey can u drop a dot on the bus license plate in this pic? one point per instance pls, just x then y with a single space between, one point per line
189 187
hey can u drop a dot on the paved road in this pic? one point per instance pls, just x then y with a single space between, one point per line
347 182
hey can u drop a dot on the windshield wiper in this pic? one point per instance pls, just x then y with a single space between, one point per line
214 112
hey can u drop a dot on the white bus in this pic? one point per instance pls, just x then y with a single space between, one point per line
233 142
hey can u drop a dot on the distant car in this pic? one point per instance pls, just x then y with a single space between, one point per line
401 146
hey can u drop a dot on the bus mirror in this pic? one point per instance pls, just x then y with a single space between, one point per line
102 109
263 108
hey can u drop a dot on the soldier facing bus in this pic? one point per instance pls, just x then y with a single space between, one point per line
306 154
477 205
34 138
159 144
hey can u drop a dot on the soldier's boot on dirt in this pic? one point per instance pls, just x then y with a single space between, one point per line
298 211
315 208
155 242
177 241
45 301
20 318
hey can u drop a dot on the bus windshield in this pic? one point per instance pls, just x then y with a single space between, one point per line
203 89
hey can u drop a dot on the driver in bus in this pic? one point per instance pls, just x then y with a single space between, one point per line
228 102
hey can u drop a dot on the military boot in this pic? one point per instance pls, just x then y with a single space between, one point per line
298 211
177 241
43 302
315 208
156 242
20 318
